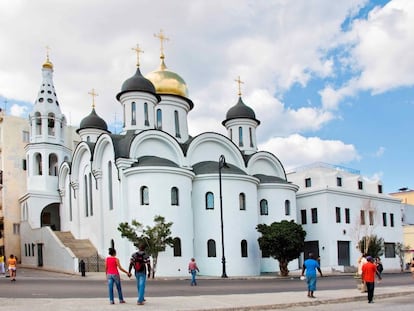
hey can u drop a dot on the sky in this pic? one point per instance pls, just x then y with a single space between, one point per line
330 81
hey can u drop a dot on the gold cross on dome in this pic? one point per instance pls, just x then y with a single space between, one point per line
137 50
162 38
93 94
47 52
239 82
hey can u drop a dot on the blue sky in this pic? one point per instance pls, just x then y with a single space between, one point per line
330 81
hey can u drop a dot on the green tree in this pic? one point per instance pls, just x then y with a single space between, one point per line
283 241
155 238
371 245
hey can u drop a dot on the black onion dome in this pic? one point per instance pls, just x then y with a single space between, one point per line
137 83
93 121
240 111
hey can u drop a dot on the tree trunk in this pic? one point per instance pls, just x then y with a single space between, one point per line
283 266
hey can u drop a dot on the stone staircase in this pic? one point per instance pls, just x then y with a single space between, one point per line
84 250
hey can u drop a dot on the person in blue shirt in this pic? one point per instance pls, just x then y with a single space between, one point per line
311 265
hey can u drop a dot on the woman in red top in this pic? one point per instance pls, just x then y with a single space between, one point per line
112 275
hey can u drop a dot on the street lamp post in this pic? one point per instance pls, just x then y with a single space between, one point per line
222 163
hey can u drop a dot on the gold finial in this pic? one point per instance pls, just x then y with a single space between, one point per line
93 94
162 38
137 50
239 82
48 63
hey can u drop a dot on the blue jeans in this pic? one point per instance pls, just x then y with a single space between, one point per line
141 280
193 277
114 278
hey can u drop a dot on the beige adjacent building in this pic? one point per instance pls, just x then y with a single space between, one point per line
407 199
14 135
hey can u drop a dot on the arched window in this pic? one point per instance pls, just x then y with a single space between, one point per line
242 201
133 113
146 121
38 123
243 246
144 195
110 198
53 164
251 136
85 188
70 203
123 116
209 200
177 124
177 247
159 119
264 210
240 136
287 207
211 248
174 196
38 164
231 134
51 124
90 195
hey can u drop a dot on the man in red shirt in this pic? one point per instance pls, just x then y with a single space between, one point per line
368 276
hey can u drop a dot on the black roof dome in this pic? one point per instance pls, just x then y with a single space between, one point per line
137 83
93 121
240 111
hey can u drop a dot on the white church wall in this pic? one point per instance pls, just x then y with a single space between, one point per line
238 224
159 181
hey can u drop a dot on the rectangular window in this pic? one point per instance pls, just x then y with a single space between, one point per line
308 182
303 217
360 185
391 219
25 136
371 218
338 214
389 250
314 212
379 188
384 219
16 228
347 216
339 181
362 217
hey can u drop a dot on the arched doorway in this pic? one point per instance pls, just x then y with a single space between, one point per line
50 217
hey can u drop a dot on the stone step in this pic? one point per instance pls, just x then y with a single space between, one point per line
80 247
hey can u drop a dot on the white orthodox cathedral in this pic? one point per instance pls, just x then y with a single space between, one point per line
154 167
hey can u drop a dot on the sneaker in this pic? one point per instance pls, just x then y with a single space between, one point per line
122 301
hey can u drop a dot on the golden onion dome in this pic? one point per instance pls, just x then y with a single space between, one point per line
48 64
167 82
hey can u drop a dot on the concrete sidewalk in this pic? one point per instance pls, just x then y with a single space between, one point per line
268 301
264 301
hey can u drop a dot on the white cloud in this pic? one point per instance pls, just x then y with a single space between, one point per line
296 150
18 111
380 152
379 53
